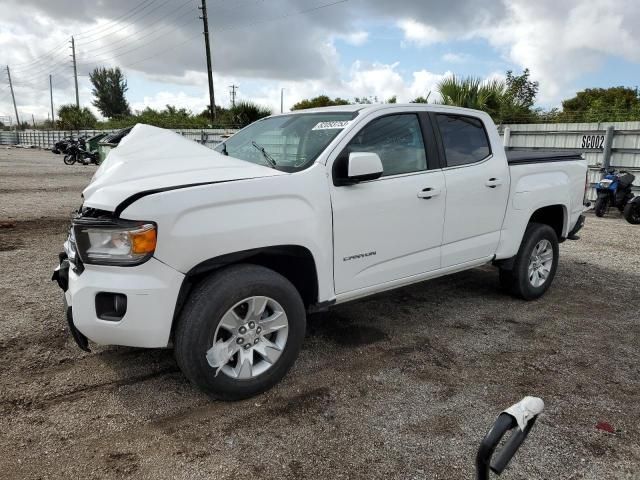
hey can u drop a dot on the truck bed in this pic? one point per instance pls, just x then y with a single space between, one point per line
521 157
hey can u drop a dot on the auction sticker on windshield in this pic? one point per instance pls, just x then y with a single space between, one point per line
331 125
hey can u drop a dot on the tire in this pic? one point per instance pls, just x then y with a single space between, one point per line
220 297
602 203
519 281
632 213
69 159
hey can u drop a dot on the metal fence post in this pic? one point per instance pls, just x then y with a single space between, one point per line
606 150
506 138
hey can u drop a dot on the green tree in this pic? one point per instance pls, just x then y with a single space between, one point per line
518 99
319 101
421 99
71 117
365 100
109 87
602 104
520 90
472 92
245 113
519 96
393 99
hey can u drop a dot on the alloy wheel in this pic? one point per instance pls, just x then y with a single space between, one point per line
540 263
249 339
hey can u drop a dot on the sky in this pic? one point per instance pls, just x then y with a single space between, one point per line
347 48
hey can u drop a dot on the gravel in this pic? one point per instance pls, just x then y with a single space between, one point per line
400 385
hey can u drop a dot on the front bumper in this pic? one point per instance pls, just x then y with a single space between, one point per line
151 290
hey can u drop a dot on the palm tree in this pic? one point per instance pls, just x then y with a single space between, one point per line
472 92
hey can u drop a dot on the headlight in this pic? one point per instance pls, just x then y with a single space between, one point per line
114 242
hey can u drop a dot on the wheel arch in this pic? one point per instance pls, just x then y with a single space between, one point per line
553 215
556 216
294 262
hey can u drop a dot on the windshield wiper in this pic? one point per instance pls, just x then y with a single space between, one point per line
224 149
265 154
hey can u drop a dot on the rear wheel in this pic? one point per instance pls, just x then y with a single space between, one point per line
535 263
69 159
632 213
602 204
240 332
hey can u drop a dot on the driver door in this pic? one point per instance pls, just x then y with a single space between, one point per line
389 228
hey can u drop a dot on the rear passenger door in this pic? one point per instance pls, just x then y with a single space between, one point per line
477 182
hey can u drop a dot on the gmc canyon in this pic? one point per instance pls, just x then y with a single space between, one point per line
222 253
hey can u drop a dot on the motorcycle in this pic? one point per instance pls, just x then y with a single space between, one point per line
76 152
632 211
61 146
614 189
520 418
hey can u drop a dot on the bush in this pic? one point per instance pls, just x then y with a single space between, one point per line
74 118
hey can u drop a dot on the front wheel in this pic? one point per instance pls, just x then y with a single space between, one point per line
240 332
69 159
535 263
632 213
602 203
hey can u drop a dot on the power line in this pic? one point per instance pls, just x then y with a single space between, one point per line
46 68
13 97
112 23
75 70
128 25
84 33
53 68
205 23
281 17
233 89
127 41
101 61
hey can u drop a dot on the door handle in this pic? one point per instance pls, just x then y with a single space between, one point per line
428 192
493 182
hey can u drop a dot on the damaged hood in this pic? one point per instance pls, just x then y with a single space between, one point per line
151 158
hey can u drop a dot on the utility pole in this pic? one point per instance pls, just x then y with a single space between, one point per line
207 47
75 70
53 118
13 97
281 100
233 94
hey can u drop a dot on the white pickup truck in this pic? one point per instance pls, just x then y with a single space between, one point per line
223 253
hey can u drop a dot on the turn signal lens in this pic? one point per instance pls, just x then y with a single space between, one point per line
143 241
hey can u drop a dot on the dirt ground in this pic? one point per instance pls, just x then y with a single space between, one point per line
401 385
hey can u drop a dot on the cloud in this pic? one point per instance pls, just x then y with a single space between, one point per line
356 38
420 34
451 57
557 41
295 44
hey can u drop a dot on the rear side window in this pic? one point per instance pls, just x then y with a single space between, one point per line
464 138
397 139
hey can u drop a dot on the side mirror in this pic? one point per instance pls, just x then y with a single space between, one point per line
363 166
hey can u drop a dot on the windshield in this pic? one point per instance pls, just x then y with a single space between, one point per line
287 142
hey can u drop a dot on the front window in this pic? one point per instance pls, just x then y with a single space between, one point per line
397 139
286 142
